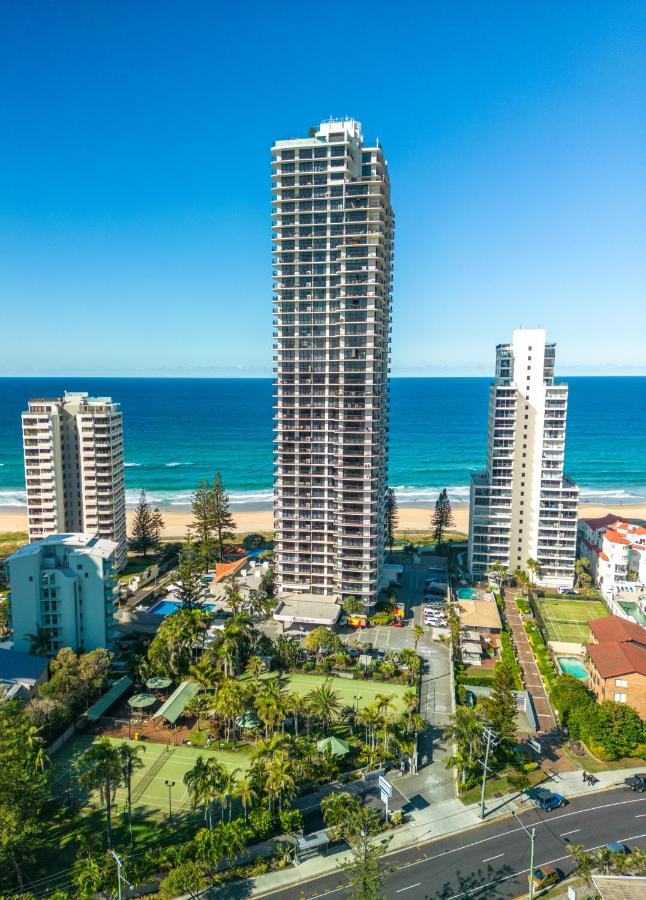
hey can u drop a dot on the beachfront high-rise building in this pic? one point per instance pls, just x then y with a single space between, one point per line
522 506
73 447
333 251
63 584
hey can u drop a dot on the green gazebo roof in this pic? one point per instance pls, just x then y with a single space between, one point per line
333 745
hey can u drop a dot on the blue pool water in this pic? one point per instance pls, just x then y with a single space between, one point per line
467 593
570 665
168 607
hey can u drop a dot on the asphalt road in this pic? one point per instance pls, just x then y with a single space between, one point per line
493 860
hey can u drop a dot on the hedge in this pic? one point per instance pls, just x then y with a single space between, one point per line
508 656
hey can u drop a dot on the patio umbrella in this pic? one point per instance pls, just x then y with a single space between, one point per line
141 701
158 682
248 720
333 745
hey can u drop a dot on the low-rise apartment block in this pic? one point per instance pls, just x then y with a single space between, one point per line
63 583
616 549
617 662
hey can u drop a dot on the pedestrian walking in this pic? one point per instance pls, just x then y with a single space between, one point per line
585 777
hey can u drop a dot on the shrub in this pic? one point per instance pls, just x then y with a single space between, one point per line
381 618
290 820
261 822
397 817
308 666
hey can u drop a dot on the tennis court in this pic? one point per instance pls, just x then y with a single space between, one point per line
349 689
567 620
150 792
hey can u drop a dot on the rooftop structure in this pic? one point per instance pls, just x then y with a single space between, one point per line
63 584
617 661
74 473
480 616
522 505
616 550
333 247
21 673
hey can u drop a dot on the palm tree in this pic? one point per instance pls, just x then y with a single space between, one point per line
534 569
280 782
229 703
410 702
245 793
270 703
497 573
197 781
232 593
256 667
324 704
39 641
129 761
100 767
198 706
370 719
418 631
465 731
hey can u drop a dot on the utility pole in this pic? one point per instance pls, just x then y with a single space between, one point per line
492 741
120 877
532 837
170 785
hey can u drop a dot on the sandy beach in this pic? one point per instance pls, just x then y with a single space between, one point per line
410 518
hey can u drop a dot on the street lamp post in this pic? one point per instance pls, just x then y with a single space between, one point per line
120 877
170 785
532 838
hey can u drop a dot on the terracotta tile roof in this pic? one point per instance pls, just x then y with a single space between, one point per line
604 521
614 628
614 537
614 658
630 528
595 549
223 570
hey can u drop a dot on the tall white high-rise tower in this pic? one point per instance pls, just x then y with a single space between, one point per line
333 250
73 447
523 506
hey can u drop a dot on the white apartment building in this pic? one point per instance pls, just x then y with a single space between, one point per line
74 474
333 251
522 505
63 583
616 549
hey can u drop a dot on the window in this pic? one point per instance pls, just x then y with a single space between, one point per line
621 682
620 698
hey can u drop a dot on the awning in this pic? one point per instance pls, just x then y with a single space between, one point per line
104 703
173 708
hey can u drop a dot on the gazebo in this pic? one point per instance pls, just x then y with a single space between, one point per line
173 708
158 683
142 701
248 721
333 745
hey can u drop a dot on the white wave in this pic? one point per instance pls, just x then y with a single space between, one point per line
611 494
174 465
458 493
129 465
13 499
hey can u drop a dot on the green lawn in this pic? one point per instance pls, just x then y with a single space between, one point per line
566 620
365 691
150 791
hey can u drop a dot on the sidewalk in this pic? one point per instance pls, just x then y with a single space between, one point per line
525 655
435 821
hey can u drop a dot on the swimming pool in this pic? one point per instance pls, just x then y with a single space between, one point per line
168 606
572 665
467 593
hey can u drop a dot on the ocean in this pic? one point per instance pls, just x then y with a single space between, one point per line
179 431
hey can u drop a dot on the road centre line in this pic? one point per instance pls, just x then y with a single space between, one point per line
408 887
489 858
574 831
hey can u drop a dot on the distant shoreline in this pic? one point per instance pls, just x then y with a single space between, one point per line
411 518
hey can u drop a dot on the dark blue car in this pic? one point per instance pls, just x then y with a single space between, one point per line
551 802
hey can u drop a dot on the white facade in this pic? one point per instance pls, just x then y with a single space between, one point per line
73 449
522 505
616 549
333 249
63 583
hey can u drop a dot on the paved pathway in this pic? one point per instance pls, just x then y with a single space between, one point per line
531 675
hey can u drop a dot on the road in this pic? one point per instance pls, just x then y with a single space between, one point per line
492 860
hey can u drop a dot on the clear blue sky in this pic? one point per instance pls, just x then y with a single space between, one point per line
135 178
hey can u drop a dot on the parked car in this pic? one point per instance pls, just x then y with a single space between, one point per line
553 801
568 592
545 876
618 847
433 608
633 783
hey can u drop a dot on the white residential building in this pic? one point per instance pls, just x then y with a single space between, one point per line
333 251
616 549
73 448
522 505
63 583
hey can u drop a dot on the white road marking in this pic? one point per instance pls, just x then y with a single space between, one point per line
408 888
640 815
497 856
574 831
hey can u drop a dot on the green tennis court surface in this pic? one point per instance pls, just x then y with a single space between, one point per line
161 763
567 620
348 689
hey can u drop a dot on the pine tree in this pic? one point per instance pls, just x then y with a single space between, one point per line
191 588
442 517
223 521
392 519
202 529
147 525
